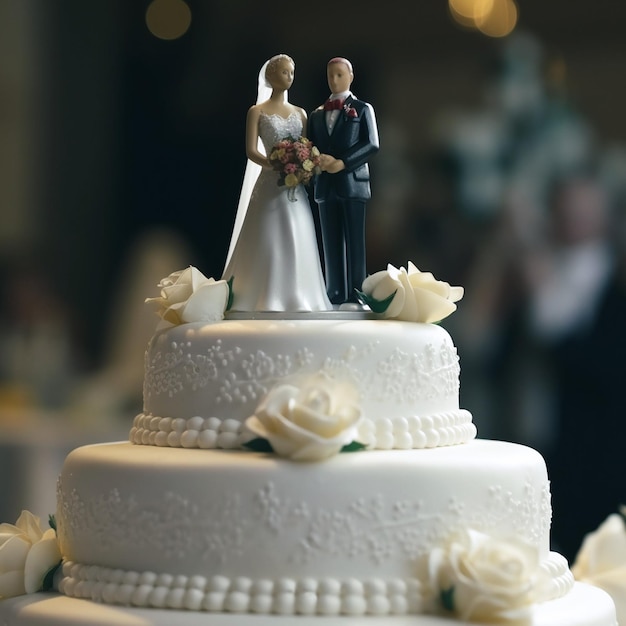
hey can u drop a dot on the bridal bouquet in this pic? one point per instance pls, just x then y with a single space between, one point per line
296 161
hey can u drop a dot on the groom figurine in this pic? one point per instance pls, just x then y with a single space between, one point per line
344 130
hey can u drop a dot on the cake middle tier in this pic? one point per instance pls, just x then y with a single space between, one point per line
202 381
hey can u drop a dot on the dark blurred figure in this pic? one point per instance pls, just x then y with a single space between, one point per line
38 354
586 352
547 309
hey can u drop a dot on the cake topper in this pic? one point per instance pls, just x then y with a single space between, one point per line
273 260
344 129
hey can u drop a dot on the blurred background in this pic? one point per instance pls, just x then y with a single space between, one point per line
502 169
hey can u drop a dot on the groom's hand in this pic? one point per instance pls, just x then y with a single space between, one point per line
330 164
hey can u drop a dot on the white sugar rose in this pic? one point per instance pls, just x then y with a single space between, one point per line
409 295
310 421
189 296
27 554
601 561
480 578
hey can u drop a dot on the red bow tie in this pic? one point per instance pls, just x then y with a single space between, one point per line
333 105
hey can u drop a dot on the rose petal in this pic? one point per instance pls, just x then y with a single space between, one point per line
172 313
12 584
13 553
431 307
456 294
30 524
194 276
283 446
602 550
425 280
408 311
176 293
171 279
207 303
43 556
316 452
325 426
254 424
9 529
381 285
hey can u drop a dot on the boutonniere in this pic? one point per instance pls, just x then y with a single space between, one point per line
350 111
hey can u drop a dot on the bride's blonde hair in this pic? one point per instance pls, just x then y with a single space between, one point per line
273 62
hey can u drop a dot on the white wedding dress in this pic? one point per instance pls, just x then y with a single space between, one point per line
275 263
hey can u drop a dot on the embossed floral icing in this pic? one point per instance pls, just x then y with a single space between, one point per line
27 554
309 421
414 296
601 561
189 296
481 578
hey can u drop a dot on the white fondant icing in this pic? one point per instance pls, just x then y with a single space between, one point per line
406 375
244 520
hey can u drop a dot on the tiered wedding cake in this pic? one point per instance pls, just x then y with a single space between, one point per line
306 467
290 467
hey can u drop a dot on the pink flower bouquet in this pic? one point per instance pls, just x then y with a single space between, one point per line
296 161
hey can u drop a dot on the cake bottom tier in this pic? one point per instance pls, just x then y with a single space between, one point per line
582 606
239 531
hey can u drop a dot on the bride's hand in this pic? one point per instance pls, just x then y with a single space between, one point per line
330 164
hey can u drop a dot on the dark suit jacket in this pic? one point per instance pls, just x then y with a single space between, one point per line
353 140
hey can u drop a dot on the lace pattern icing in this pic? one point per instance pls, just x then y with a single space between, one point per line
380 529
373 527
399 378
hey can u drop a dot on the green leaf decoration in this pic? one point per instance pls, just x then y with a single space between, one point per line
48 580
52 522
259 445
263 445
229 303
354 446
447 599
377 306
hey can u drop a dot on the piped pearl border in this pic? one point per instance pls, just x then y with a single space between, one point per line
286 596
414 432
329 596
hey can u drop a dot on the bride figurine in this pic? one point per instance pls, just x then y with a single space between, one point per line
273 258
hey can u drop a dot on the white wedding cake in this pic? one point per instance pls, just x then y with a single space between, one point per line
303 466
295 463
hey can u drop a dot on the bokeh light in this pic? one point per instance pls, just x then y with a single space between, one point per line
500 21
467 12
495 18
168 19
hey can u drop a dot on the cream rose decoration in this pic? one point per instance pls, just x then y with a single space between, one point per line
409 295
310 421
189 296
480 578
27 554
601 561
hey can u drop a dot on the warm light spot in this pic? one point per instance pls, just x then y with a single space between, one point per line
468 11
168 19
462 20
496 18
500 21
